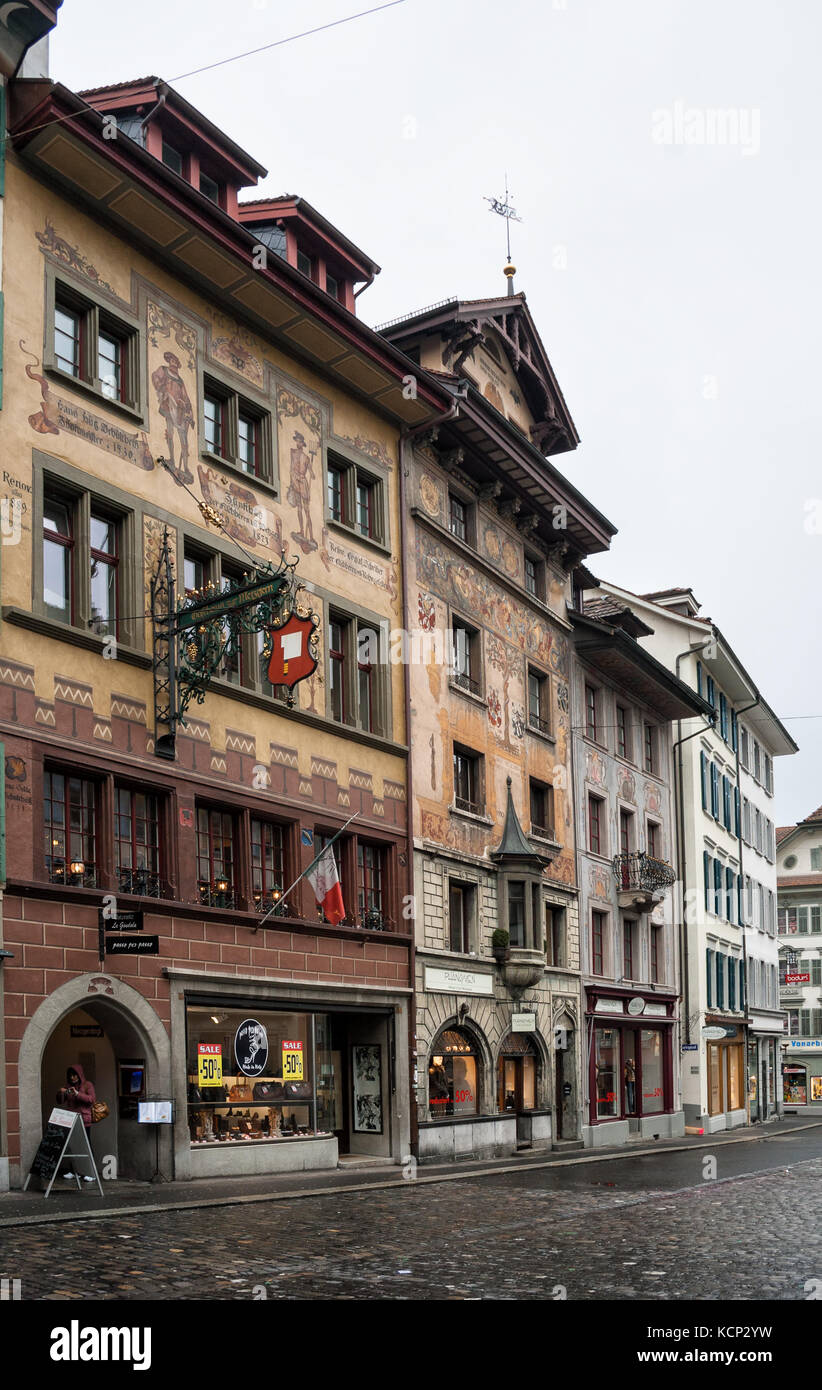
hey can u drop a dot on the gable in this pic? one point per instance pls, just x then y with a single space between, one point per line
491 370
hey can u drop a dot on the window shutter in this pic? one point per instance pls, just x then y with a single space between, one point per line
709 966
740 916
720 980
737 814
729 894
734 731
718 888
699 678
703 770
731 983
706 866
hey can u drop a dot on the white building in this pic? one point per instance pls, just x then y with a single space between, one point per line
799 869
723 780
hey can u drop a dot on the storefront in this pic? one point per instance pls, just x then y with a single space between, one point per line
802 1072
725 1065
763 1076
276 1083
630 1075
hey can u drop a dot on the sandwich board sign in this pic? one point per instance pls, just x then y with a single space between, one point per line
63 1138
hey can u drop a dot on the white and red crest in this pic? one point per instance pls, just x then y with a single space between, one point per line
291 660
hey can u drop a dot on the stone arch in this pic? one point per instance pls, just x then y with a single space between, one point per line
124 1013
485 1057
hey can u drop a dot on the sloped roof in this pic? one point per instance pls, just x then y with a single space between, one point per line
783 830
514 844
800 881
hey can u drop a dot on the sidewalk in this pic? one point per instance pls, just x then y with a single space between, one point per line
66 1203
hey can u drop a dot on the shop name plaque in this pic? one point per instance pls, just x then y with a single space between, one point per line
132 945
523 1023
458 981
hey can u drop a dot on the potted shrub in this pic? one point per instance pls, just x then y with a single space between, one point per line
499 944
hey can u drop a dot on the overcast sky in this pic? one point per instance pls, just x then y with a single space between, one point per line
670 258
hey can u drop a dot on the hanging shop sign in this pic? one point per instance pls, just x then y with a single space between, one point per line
251 1047
293 650
292 1061
209 1064
797 979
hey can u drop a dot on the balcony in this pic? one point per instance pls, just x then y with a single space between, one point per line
641 879
466 682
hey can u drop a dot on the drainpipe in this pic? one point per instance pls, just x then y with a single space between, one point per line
680 846
407 437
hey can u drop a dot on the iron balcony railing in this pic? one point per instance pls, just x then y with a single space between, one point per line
640 873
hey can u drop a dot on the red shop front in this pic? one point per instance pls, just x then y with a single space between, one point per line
630 1040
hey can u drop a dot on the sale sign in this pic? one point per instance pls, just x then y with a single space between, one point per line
209 1064
292 1061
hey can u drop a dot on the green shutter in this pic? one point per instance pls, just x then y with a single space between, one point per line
703 773
709 968
706 867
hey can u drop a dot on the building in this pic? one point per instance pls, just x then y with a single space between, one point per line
193 411
623 704
724 797
493 533
799 869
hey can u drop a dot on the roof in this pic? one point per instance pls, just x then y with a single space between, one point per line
608 610
150 81
292 205
783 830
514 844
814 816
800 881
617 654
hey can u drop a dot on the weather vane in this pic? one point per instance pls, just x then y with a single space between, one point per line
503 208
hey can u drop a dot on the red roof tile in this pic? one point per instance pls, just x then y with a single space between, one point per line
800 881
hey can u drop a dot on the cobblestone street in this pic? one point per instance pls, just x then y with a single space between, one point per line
635 1228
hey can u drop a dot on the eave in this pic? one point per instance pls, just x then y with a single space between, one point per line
360 266
59 138
620 657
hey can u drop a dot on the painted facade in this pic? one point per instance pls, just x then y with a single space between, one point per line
799 869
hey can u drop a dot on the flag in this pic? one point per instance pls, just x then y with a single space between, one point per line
325 881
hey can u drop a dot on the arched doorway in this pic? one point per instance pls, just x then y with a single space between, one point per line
566 1107
118 1039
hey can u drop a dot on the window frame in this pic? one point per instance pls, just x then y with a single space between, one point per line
593 712
95 316
601 829
474 763
234 406
354 473
542 724
466 891
91 801
599 929
469 683
353 624
232 896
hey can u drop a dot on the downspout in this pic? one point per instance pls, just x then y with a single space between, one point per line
407 437
680 847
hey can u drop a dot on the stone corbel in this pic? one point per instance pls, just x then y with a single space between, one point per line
489 492
509 508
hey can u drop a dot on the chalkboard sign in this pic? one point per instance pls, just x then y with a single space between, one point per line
63 1137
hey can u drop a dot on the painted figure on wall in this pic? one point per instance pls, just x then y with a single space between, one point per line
299 492
174 405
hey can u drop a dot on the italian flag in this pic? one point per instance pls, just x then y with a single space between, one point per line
325 881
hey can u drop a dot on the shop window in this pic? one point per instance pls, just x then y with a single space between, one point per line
555 948
275 1097
371 886
606 1062
795 1084
461 907
215 858
653 1086
452 1076
137 847
517 1074
539 701
468 792
69 817
466 656
267 863
93 346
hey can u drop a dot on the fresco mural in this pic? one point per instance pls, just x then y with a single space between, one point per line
174 405
57 414
61 250
298 418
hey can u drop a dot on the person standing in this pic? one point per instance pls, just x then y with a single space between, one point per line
78 1095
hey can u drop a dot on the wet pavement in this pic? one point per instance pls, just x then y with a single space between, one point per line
725 1221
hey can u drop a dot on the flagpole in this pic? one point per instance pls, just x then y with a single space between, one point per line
306 870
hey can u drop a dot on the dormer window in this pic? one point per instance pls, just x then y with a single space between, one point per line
210 188
305 263
270 236
173 159
133 127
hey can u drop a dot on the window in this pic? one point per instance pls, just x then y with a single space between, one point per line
371 885
730 895
466 656
650 759
332 286
626 832
452 1075
723 717
172 158
93 346
457 517
460 915
802 927
720 980
82 562
356 674
215 857
732 983
816 860
542 809
757 771
305 263
651 1061
657 944
744 749
355 498
533 577
467 781
323 841
595 841
592 712
714 791
726 804
555 935
210 188
628 949
539 715
137 842
236 431
717 904
516 912
267 863
597 942
654 839
703 777
709 977
623 733
606 1062
69 819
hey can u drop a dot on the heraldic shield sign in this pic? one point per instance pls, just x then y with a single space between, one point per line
292 651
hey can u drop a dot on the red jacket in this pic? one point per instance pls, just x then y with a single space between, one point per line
79 1098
